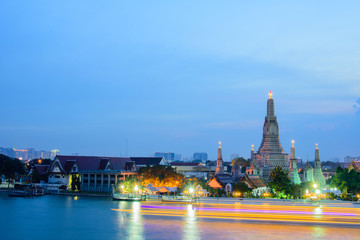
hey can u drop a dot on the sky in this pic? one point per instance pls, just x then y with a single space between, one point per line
88 77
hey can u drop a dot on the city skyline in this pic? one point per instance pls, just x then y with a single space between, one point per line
94 84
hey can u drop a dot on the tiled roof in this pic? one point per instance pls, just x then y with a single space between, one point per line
151 161
222 179
41 169
92 163
254 181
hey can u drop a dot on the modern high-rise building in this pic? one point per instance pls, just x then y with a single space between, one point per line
200 156
169 156
54 152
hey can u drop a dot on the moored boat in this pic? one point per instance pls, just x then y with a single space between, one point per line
178 199
128 197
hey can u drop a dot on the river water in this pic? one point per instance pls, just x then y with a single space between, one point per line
68 217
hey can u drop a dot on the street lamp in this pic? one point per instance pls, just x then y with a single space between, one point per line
191 190
136 188
315 185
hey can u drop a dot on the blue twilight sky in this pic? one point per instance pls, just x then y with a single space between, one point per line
84 76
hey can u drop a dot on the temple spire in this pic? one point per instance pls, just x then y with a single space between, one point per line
270 107
292 152
219 162
318 175
293 170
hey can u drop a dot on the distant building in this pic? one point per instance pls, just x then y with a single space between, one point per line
193 169
54 152
349 159
25 154
169 156
177 157
202 156
148 161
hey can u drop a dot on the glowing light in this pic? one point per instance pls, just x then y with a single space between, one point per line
246 210
317 146
307 191
292 142
219 144
136 188
39 161
252 147
317 191
315 185
191 190
270 95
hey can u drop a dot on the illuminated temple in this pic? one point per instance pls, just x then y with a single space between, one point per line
270 154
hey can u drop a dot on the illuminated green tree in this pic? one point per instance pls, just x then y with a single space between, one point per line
279 182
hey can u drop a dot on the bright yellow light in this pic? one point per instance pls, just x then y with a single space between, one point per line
315 185
270 94
292 142
136 188
219 144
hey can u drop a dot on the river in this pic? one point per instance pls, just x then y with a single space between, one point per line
68 217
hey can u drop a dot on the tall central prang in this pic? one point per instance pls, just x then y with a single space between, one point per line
270 154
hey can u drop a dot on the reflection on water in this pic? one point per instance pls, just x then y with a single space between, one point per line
136 229
92 218
191 229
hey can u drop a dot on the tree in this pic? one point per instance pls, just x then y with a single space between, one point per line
161 176
11 167
280 182
128 185
241 187
346 181
240 162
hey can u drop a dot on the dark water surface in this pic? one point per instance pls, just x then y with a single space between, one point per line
66 217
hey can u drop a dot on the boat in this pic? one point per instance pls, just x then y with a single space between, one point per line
128 197
178 199
20 193
26 190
